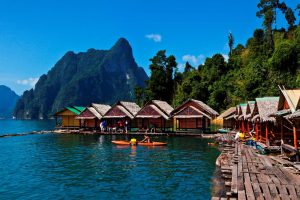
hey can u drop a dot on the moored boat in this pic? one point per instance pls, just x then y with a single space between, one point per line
124 142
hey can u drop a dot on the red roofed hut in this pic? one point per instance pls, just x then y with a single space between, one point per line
155 114
90 117
121 112
193 114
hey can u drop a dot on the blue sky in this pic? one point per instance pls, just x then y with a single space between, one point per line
34 35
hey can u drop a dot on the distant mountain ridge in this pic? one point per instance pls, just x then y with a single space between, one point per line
8 99
101 76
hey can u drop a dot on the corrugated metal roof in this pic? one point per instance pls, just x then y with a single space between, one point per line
74 110
80 108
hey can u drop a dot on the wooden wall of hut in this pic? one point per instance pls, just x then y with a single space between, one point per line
159 123
90 123
229 123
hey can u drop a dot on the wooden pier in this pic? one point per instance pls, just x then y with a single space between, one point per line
249 175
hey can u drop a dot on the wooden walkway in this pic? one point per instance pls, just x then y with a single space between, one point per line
255 176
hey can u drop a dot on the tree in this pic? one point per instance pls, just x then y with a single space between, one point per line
188 68
160 85
290 17
139 93
230 42
268 10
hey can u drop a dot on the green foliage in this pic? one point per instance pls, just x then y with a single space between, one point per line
251 71
161 83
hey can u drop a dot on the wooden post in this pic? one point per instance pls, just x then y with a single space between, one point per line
295 137
260 137
267 134
256 130
243 126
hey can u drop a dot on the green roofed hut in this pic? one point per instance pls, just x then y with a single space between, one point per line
67 117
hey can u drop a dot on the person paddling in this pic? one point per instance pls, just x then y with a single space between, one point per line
146 139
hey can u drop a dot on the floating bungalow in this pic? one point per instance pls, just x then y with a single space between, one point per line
193 114
91 116
265 128
121 112
155 115
226 119
288 119
249 115
66 118
241 117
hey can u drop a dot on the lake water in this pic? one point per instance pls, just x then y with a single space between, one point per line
52 166
24 126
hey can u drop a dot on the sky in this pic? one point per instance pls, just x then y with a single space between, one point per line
34 35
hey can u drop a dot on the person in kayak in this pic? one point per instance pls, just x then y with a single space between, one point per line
133 142
146 139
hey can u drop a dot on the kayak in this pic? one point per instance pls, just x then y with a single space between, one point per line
120 142
124 142
152 144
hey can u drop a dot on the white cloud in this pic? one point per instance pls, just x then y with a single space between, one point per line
194 60
226 57
29 81
154 37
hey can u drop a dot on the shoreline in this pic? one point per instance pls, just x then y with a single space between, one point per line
202 135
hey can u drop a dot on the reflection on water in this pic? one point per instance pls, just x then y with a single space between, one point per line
90 167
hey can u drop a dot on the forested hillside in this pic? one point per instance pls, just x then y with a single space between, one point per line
101 76
271 57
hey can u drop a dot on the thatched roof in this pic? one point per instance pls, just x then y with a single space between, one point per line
292 97
250 109
95 111
131 107
227 113
205 106
101 108
161 107
196 113
241 111
208 110
266 106
164 106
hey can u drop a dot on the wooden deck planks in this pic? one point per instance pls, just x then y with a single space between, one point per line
257 176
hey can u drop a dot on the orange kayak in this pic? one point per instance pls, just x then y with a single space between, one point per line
120 142
124 142
152 143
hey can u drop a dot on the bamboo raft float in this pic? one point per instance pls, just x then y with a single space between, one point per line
249 175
